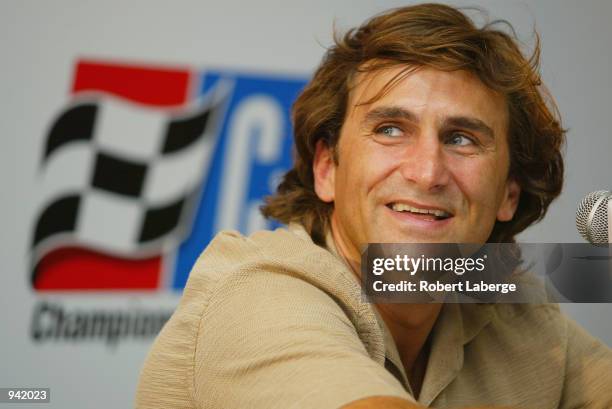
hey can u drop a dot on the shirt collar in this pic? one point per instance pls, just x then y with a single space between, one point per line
455 327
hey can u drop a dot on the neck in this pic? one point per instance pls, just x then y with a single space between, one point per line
348 254
409 324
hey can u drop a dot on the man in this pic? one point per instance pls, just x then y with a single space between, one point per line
417 127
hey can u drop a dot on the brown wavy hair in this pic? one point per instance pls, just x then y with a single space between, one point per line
441 37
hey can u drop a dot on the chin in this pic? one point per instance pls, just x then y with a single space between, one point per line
420 236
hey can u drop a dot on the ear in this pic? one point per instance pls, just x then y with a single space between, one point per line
324 170
512 194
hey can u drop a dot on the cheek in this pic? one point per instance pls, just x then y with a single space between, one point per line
369 166
479 180
381 162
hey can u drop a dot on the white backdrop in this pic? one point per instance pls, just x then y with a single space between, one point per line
40 42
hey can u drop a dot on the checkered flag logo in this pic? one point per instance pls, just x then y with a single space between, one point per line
136 175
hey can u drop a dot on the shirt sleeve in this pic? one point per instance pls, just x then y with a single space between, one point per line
588 380
269 340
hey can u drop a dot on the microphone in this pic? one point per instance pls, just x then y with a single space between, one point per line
594 218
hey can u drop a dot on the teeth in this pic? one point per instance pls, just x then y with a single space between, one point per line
401 207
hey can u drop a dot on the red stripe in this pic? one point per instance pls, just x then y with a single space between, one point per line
73 268
161 87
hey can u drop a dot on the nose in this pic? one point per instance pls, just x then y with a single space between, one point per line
424 164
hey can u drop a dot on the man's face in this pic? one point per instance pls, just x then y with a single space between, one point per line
426 162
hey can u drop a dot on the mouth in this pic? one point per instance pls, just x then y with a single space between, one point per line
420 212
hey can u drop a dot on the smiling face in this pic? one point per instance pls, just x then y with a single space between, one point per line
426 162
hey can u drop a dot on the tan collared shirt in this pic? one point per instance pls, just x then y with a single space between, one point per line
274 321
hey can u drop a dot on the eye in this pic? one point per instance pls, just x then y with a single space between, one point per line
389 131
459 139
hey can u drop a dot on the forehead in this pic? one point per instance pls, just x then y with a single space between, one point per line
424 91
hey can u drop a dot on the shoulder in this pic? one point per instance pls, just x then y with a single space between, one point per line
533 324
546 339
532 354
285 259
280 310
281 269
261 310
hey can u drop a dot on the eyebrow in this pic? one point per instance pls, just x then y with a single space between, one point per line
471 124
382 113
394 112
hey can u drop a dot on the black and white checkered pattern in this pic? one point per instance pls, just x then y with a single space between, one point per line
122 178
